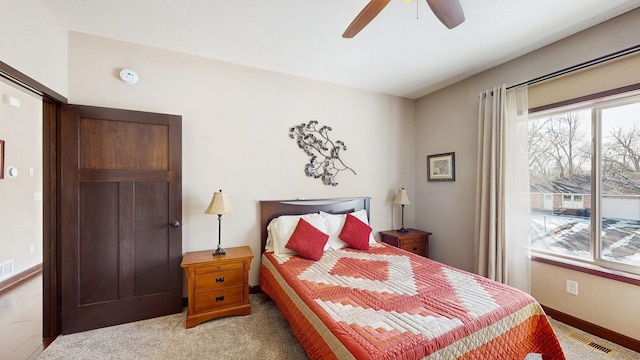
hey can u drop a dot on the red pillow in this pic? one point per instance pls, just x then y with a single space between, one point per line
307 240
355 233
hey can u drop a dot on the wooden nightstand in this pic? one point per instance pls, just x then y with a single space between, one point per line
415 241
218 285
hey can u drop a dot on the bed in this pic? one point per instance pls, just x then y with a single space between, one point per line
375 301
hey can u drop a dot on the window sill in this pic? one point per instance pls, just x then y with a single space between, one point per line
588 269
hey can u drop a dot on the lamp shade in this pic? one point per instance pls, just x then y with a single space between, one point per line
220 204
402 198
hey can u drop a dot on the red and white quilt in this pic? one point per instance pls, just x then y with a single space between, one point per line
386 303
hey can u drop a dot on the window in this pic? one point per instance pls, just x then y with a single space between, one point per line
586 160
570 201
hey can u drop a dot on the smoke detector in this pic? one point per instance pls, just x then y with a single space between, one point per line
128 76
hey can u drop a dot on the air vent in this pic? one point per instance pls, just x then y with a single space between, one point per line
585 340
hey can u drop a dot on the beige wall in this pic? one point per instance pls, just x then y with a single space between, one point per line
447 121
611 304
235 133
20 212
608 75
34 43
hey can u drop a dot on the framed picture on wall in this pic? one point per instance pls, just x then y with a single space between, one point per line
1 159
441 167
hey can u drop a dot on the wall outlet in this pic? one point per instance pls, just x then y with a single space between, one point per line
32 248
572 287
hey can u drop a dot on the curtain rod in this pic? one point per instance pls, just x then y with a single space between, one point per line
583 65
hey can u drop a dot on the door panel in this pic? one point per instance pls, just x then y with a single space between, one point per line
120 188
151 243
133 146
98 243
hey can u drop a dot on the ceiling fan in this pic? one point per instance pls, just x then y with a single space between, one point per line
448 11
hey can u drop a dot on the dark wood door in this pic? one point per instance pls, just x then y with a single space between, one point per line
121 187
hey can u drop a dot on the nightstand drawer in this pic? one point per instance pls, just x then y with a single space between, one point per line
412 238
218 280
416 246
221 267
415 241
218 299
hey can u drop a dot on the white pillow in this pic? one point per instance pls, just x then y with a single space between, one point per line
281 228
335 222
269 245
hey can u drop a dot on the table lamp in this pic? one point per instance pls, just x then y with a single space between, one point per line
402 199
219 205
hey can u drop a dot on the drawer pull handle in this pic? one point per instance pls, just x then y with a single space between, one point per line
220 279
219 298
415 248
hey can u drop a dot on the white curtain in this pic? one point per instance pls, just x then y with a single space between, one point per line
502 195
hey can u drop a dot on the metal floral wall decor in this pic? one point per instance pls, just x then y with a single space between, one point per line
324 154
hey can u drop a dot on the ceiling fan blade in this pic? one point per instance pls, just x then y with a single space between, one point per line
448 11
365 16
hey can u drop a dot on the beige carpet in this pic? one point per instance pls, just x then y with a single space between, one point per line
264 335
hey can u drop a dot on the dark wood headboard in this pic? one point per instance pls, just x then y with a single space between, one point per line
270 209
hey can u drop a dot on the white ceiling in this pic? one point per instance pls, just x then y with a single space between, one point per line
404 51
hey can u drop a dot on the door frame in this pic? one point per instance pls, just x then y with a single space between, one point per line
51 305
51 113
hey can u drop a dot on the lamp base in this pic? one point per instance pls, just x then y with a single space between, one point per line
402 230
219 251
